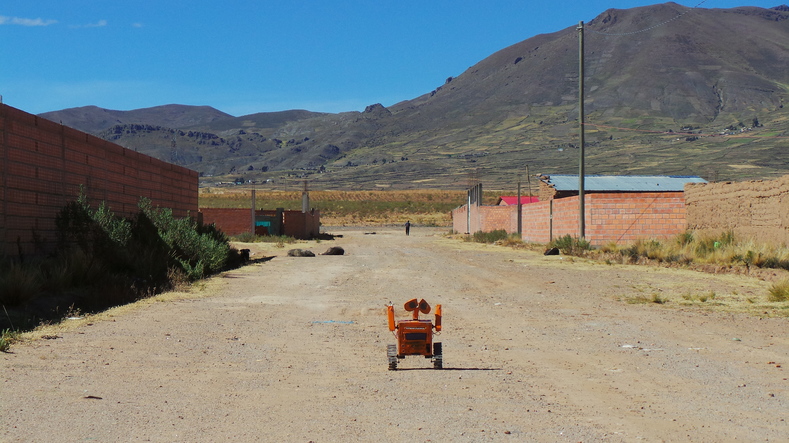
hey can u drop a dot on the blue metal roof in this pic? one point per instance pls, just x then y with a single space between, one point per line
622 183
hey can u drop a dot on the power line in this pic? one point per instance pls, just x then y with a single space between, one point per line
651 27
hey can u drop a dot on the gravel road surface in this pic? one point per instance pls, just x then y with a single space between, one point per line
293 349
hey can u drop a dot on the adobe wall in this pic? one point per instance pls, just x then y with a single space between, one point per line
43 164
757 210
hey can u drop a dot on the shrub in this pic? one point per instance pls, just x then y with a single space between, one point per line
779 291
571 246
19 284
7 337
245 237
489 237
198 249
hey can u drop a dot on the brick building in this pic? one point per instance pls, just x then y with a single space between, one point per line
44 164
617 209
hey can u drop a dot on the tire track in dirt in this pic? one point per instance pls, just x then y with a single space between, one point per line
294 349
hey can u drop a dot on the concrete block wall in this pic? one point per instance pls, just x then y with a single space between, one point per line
757 210
43 165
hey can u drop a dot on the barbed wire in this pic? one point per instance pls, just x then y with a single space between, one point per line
649 28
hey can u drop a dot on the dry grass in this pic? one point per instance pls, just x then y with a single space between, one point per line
352 208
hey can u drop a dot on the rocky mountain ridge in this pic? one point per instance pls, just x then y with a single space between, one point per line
650 72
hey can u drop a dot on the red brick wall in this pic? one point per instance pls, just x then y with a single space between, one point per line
617 217
234 221
624 217
303 225
460 220
43 164
500 217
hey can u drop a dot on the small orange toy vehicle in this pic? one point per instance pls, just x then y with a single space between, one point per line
415 336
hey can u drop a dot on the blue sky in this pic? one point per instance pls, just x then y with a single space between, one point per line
244 56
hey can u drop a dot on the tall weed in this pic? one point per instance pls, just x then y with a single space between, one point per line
779 291
489 237
569 245
19 284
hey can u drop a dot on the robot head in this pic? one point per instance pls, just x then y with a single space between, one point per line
421 305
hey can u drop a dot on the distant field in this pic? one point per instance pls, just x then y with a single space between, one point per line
352 208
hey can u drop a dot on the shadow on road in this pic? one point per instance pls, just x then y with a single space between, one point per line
447 369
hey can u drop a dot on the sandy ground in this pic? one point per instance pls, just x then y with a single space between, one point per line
294 350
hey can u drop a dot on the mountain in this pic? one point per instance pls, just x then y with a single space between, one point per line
659 80
93 119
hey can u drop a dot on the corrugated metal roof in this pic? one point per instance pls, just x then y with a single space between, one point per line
623 183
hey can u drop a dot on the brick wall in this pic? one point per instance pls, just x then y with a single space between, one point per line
303 225
757 210
234 221
43 164
500 217
624 217
460 219
617 217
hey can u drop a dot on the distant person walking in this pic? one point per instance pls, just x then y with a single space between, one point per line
408 227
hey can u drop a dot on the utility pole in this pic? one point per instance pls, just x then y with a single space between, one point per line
520 210
581 172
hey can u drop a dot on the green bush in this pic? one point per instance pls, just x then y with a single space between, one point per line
103 260
7 337
198 249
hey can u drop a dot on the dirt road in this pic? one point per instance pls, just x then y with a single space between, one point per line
294 349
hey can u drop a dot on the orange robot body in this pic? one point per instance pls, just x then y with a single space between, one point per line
415 336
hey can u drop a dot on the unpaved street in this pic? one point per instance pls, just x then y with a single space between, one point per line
294 350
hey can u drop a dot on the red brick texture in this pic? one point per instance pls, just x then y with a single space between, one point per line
43 164
302 225
234 221
610 217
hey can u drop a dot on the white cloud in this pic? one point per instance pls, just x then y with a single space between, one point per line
98 24
4 20
137 25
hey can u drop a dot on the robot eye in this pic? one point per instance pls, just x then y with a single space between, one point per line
424 307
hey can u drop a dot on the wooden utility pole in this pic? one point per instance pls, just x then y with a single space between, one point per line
520 210
581 172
